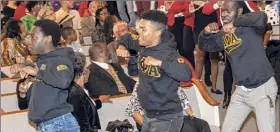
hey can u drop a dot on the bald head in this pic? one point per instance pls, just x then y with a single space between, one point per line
231 10
99 52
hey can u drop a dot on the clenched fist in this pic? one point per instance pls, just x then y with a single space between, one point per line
212 28
152 61
122 52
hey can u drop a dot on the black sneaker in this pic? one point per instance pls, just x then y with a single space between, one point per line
217 91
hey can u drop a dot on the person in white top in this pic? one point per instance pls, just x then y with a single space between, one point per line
70 36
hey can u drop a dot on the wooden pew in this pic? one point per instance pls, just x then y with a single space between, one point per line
276 33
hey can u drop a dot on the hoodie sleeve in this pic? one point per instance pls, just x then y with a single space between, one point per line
255 20
211 42
130 41
58 75
175 67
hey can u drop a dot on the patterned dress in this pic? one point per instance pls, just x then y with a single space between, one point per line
12 49
134 106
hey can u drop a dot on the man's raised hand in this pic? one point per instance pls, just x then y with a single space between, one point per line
122 52
212 28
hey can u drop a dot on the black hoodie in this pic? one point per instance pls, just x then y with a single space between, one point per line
244 47
158 85
50 91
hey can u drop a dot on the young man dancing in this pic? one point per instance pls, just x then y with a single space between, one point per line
242 39
161 69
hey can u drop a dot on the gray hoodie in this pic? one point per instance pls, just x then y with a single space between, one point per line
244 47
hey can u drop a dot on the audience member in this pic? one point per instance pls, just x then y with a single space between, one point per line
33 8
88 22
54 73
120 28
122 6
13 51
108 28
98 32
85 110
9 9
200 21
272 14
106 78
20 10
70 37
46 12
67 17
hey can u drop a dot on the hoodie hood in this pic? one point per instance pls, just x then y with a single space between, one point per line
63 52
167 42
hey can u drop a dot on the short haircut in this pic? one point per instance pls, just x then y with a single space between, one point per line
50 28
96 49
157 18
66 32
80 63
30 5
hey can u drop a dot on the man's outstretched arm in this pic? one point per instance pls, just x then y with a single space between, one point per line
211 39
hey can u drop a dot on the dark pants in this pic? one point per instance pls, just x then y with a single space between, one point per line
163 123
228 80
184 39
142 6
207 67
188 44
112 8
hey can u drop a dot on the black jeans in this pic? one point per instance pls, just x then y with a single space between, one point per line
228 79
184 39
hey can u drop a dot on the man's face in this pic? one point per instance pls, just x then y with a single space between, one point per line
121 30
38 41
69 3
228 12
94 6
146 33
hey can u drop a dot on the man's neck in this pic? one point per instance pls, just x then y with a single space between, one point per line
47 50
80 82
66 9
155 43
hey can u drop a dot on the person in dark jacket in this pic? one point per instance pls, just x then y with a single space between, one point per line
84 109
106 78
54 73
242 39
161 68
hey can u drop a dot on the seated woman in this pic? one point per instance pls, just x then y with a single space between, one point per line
135 110
98 32
13 50
85 110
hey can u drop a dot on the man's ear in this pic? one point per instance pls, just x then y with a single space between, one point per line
48 39
240 11
158 33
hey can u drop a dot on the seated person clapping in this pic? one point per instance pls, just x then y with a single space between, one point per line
106 78
85 110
